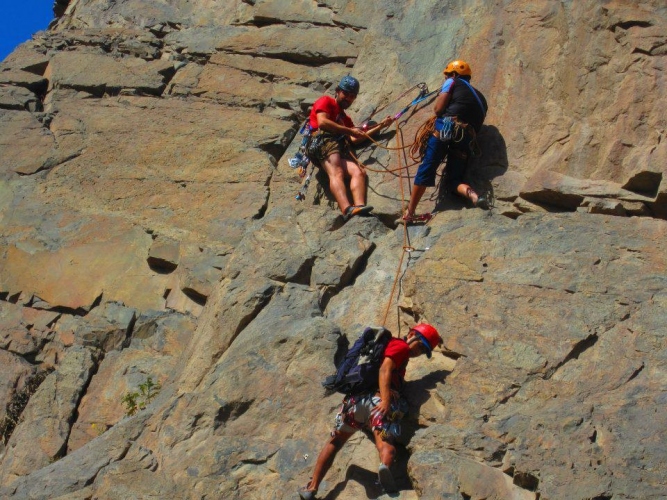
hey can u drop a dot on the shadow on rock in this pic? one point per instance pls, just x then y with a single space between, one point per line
368 479
417 392
490 162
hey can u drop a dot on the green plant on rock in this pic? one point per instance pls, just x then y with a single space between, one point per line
138 400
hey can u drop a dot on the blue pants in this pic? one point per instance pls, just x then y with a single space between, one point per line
457 154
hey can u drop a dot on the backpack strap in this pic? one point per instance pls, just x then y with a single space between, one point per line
479 101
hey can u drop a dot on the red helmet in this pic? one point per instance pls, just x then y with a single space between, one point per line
429 336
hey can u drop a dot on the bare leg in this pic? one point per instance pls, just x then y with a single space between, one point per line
415 196
357 182
467 192
326 457
334 167
386 450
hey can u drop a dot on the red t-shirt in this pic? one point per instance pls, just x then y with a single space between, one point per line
329 105
399 351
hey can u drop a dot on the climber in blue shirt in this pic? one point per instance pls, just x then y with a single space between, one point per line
460 111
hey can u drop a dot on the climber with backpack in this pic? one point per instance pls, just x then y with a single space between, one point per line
332 134
460 110
372 376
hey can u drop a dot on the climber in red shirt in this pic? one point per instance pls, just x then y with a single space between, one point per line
332 134
379 410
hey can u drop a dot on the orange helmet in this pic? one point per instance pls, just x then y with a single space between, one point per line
428 335
459 67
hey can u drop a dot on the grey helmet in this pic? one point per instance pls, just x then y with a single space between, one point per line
349 84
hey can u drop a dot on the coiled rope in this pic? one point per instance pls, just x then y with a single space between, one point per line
416 149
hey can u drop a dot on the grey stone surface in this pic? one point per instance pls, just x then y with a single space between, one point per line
83 466
107 327
42 434
16 372
99 74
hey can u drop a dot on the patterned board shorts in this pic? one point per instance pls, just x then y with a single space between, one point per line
357 412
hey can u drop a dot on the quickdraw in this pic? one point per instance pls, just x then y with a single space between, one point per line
451 130
423 95
301 194
301 161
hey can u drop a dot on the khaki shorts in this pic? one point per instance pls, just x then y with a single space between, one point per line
323 144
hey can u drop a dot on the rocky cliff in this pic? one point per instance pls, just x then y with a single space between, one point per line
150 234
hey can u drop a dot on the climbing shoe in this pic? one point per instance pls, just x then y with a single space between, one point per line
482 203
353 210
417 218
387 479
306 494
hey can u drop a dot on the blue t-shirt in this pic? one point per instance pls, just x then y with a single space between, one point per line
463 103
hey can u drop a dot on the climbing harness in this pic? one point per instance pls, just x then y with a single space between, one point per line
388 424
354 407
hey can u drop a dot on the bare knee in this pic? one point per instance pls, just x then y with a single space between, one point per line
335 173
357 173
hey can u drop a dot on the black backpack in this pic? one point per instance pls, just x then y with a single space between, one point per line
360 369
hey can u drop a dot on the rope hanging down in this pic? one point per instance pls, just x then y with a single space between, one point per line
406 245
417 149
301 161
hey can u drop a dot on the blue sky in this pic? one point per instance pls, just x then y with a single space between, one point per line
20 19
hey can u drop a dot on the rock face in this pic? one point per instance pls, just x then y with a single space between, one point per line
150 232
